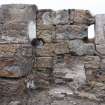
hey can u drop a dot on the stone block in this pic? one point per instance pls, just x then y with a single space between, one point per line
61 48
43 62
46 35
50 18
92 62
47 50
66 32
15 60
81 17
78 47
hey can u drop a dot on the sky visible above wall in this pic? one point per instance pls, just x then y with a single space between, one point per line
95 6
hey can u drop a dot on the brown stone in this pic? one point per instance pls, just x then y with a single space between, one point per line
81 17
43 62
46 50
61 48
46 35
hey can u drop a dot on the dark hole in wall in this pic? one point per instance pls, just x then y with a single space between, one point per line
38 42
60 58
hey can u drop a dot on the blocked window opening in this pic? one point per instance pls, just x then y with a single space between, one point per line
91 32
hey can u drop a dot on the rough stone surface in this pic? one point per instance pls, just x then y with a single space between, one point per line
78 47
66 32
81 17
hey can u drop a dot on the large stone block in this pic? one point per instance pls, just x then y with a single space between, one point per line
92 62
81 17
101 49
50 18
66 32
78 47
16 21
15 60
43 62
47 50
46 35
61 48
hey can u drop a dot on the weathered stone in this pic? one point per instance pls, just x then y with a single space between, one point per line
72 72
61 48
16 21
49 18
46 50
100 29
92 62
66 32
81 17
43 62
15 60
78 47
102 63
15 103
11 87
60 92
46 35
101 49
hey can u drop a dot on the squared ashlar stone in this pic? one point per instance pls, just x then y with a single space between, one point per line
66 32
81 17
78 47
43 62
61 48
47 50
46 35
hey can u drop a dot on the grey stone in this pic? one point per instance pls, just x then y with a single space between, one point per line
78 47
66 32
92 62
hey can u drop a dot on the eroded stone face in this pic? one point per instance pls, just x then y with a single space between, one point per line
78 47
67 32
81 17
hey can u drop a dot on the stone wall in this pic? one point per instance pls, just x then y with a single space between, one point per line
61 67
